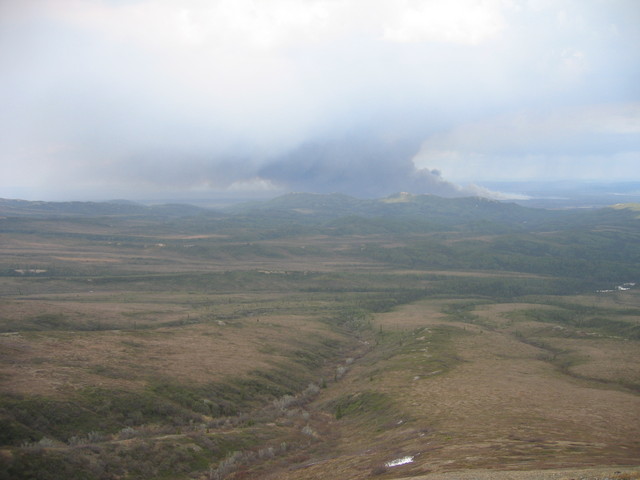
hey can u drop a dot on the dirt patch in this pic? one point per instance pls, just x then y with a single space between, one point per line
412 316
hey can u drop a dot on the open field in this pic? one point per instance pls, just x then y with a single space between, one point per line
137 349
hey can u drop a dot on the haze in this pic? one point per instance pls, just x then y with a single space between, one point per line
141 99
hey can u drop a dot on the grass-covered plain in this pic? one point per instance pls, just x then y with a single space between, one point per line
278 346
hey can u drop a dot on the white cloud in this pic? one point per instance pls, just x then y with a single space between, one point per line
590 142
238 24
463 167
465 21
272 24
535 130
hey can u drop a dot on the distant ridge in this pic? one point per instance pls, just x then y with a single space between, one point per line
339 214
113 207
400 207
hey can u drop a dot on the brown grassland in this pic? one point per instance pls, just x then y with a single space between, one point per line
136 353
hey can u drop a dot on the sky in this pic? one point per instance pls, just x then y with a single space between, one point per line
182 99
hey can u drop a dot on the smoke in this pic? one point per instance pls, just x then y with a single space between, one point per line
362 165
358 167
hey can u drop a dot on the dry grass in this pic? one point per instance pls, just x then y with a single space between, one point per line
503 407
471 392
623 473
603 359
56 363
161 253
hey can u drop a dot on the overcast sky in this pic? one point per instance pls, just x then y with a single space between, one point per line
140 99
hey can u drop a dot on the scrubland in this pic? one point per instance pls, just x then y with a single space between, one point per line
143 349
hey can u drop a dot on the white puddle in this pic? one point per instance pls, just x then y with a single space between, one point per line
399 461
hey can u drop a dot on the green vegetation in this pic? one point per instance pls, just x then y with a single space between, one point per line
580 318
373 405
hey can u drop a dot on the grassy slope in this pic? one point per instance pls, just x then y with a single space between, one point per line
480 385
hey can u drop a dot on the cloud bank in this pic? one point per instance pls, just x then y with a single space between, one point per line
140 98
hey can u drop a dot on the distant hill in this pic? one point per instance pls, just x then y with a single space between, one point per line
92 209
338 214
401 211
408 231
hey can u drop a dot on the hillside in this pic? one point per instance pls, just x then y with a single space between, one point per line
319 337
